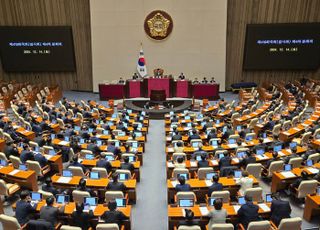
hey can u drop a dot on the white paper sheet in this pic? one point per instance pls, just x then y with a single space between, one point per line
297 129
236 208
13 172
170 149
63 142
262 157
193 164
204 211
264 207
236 160
48 157
313 170
232 146
288 174
174 183
214 162
208 182
280 153
170 165
64 180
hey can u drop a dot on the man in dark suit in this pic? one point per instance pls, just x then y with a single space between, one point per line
248 212
174 118
75 163
23 208
113 215
212 134
103 163
269 125
115 185
248 160
26 154
182 186
11 149
203 163
112 148
127 165
177 136
280 209
274 158
93 147
194 135
50 213
48 187
225 161
216 186
189 219
81 219
41 159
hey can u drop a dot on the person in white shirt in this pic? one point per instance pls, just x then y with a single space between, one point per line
245 182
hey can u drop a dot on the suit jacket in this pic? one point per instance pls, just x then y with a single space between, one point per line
247 160
176 137
104 164
248 213
116 217
116 186
9 150
39 225
23 210
41 159
183 188
50 214
127 166
203 164
77 164
194 136
26 155
280 209
215 187
51 189
82 219
225 161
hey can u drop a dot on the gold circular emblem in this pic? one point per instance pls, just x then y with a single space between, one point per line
158 25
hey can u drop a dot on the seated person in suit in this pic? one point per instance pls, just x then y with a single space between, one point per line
115 185
74 162
216 186
82 186
112 148
81 219
225 161
26 154
245 182
40 159
180 163
274 158
50 213
127 165
48 187
181 76
212 80
195 81
24 209
212 134
176 136
194 135
121 81
189 219
248 160
92 146
174 119
292 155
203 163
178 148
269 125
248 212
280 209
135 76
204 81
113 215
182 186
103 163
218 215
11 149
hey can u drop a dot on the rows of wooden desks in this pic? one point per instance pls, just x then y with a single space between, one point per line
281 180
311 207
176 214
70 207
200 187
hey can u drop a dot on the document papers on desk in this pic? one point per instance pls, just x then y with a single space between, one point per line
64 179
232 146
13 172
214 162
262 157
296 129
264 207
288 174
208 182
174 183
170 164
63 142
170 149
48 157
236 208
204 211
313 170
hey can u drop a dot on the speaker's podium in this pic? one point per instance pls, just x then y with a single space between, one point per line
158 96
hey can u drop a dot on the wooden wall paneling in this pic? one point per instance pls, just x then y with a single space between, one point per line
75 13
245 12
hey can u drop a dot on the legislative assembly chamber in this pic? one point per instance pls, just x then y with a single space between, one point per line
160 114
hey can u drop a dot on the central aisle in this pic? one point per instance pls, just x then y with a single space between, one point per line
150 212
